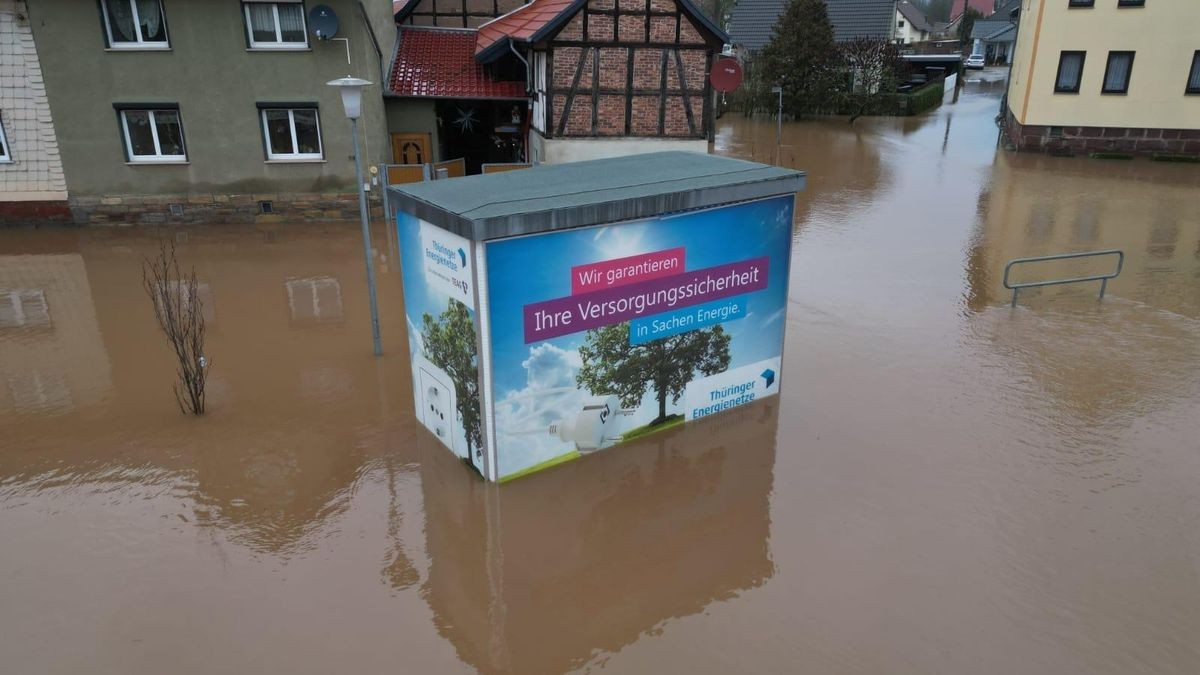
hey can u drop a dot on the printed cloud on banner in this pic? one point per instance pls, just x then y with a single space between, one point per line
549 397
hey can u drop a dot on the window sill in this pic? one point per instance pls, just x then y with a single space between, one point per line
119 50
305 48
159 162
6 160
298 160
1114 93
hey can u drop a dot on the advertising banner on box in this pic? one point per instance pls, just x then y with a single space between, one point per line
439 296
607 333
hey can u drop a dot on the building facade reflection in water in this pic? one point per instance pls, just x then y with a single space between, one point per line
543 574
1036 205
52 356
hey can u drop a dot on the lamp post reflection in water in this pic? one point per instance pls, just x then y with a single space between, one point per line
351 90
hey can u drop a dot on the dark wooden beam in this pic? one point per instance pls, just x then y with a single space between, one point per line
687 104
662 93
629 88
647 17
595 88
708 97
549 92
649 45
562 123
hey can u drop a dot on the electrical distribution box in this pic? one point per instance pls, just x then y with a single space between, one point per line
559 310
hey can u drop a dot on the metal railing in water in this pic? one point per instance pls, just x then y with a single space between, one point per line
1102 278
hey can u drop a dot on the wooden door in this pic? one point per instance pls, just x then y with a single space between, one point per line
411 149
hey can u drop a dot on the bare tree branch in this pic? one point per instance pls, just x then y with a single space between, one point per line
179 311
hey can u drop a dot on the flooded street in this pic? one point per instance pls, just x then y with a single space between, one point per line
945 485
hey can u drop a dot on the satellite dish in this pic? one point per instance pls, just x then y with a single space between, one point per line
323 22
726 74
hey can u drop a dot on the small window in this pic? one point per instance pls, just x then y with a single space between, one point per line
1193 83
899 24
5 156
1116 74
153 135
1070 72
134 24
1081 3
275 25
292 133
1131 3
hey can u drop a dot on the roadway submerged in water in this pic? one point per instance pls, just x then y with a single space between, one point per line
945 485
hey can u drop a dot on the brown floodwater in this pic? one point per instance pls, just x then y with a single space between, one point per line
945 485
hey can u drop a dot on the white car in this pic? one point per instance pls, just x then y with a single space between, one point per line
975 62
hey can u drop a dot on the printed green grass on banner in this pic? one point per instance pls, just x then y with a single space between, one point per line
553 461
669 423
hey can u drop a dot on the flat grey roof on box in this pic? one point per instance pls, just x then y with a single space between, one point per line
561 196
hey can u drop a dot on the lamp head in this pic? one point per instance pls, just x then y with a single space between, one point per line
351 89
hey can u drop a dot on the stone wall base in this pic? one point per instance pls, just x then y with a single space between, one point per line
1069 140
25 213
191 209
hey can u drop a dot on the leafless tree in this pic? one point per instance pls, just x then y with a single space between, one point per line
180 313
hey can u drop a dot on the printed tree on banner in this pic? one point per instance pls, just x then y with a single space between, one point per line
450 345
613 366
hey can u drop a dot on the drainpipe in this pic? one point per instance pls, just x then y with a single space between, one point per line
528 70
528 89
1012 53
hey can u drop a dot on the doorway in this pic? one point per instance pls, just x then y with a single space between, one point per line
411 148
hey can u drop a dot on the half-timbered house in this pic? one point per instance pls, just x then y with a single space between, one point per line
595 78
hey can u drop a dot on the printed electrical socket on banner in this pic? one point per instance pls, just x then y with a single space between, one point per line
434 391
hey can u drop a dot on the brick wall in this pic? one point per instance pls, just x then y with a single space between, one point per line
218 208
1073 140
35 172
646 41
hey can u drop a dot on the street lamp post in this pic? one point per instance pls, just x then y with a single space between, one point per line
777 89
351 89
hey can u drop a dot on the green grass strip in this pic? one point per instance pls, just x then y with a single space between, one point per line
671 422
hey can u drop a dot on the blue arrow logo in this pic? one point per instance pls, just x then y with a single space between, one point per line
769 376
462 255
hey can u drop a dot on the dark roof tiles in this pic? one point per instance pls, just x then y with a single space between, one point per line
753 21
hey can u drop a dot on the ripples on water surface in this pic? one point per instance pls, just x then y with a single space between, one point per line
946 484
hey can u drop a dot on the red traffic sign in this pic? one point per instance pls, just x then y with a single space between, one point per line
726 74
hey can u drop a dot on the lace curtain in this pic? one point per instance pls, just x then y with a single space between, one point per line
150 14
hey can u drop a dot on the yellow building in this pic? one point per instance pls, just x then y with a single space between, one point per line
1106 76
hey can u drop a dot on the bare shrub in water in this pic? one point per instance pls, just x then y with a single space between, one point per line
179 311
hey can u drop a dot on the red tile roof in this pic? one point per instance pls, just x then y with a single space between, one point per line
521 23
440 63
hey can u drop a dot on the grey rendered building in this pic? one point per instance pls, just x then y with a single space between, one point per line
209 110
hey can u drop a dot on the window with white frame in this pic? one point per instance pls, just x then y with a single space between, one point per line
5 156
134 24
153 135
292 133
275 25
